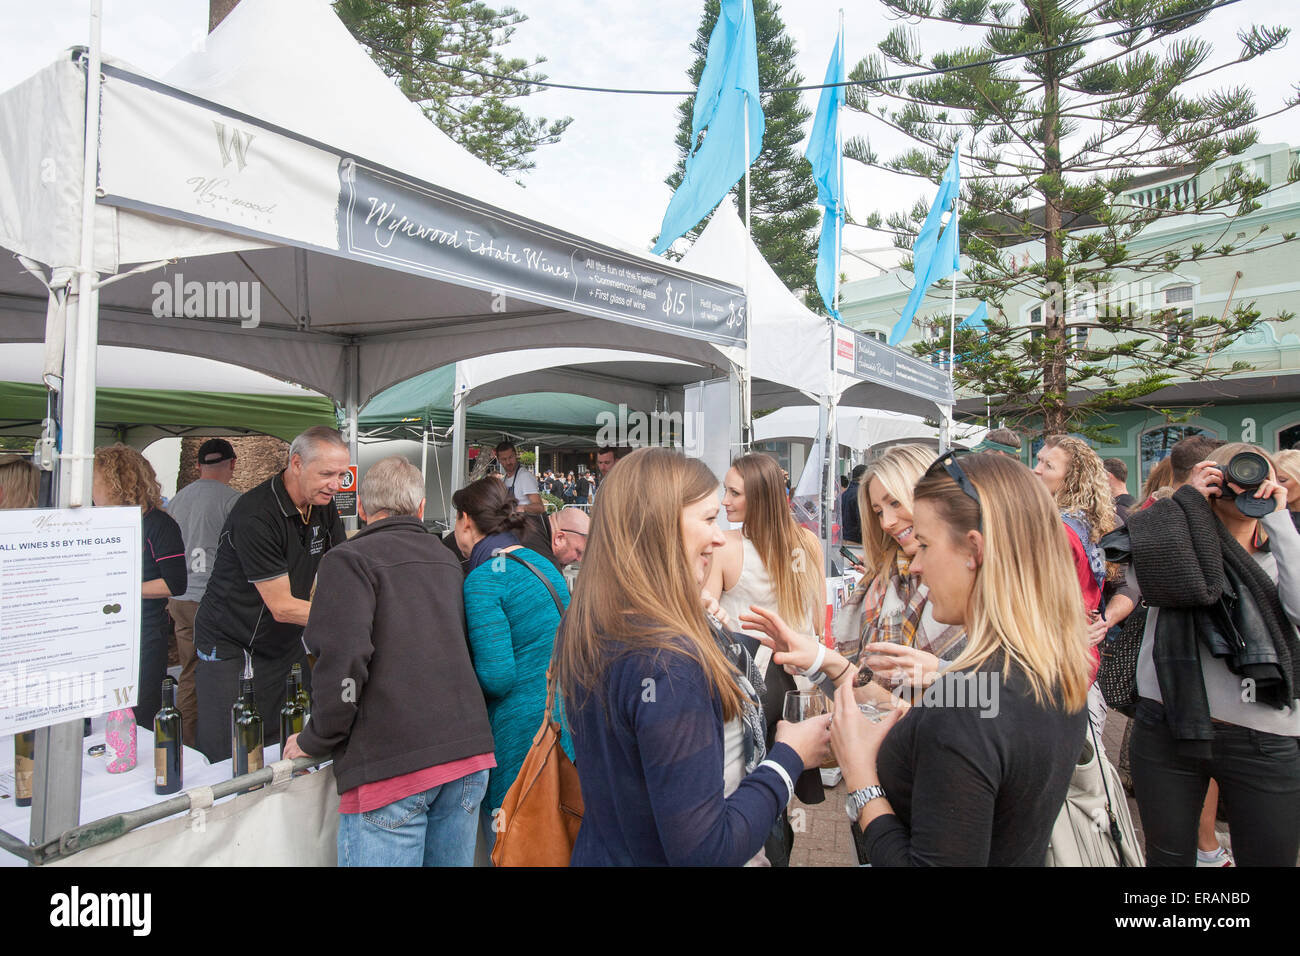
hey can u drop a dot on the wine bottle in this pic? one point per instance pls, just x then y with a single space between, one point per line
24 767
168 751
246 744
300 693
291 714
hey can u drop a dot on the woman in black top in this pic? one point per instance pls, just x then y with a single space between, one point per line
975 771
124 477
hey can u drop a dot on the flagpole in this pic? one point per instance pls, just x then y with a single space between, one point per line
839 156
746 419
952 318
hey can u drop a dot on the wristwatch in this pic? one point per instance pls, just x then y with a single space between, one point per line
858 799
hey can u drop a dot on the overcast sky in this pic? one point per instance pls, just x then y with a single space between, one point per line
619 149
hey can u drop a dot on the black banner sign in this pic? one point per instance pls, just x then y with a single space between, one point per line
419 229
877 362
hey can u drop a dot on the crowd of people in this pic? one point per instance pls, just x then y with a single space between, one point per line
671 664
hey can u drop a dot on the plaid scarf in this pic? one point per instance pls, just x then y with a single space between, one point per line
891 612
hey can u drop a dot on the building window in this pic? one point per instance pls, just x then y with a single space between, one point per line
1289 437
1156 444
1078 337
1177 305
875 334
1036 315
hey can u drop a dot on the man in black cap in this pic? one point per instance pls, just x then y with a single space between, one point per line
259 595
201 509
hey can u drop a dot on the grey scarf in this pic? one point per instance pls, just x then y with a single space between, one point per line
750 682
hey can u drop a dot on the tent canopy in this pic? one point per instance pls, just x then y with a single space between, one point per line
858 428
409 407
281 160
790 346
146 395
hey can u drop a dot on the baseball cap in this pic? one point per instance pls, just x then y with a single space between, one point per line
215 450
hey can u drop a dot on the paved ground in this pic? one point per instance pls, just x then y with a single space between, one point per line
827 841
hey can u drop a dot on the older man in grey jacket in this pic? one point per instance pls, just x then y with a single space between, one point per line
397 703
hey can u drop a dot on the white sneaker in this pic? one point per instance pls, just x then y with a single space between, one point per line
1220 858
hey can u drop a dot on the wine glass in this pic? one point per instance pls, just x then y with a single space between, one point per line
800 705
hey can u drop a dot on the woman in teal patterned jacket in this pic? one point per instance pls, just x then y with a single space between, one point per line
512 619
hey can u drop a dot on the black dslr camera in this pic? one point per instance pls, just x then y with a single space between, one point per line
1248 470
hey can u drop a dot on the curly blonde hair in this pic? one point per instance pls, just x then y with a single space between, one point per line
1085 488
129 476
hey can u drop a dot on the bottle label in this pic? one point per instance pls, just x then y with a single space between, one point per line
160 766
255 759
24 774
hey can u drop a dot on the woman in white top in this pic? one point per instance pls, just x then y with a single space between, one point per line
774 564
770 561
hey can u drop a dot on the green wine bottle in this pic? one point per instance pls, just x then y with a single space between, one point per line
246 744
24 767
168 751
300 693
291 714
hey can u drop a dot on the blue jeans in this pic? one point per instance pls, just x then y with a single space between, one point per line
435 828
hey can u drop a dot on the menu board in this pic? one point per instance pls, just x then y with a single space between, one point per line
69 614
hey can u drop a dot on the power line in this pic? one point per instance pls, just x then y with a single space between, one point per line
871 81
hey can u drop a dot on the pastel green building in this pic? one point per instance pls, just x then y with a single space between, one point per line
1260 406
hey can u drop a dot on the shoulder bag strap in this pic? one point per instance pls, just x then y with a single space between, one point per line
1116 835
555 596
559 606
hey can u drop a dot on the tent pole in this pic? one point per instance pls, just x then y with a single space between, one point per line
56 789
424 453
459 397
352 395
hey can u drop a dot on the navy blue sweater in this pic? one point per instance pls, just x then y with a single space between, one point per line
649 748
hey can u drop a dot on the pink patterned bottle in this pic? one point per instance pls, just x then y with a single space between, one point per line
119 735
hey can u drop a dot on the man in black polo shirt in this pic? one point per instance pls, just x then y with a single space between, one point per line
258 596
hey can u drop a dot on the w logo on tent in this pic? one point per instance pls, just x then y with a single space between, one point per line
235 142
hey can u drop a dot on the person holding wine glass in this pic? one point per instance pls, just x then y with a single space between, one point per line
665 710
965 777
769 561
898 636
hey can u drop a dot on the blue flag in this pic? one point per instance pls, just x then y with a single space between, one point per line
977 319
927 258
727 93
827 161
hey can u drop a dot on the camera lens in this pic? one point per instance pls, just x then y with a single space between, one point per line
1247 469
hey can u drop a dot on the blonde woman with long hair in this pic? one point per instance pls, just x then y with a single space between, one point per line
123 477
1075 477
769 562
899 633
976 771
665 711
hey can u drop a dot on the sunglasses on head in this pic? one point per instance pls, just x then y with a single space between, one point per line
948 462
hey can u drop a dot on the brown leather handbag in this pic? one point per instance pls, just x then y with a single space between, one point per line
542 811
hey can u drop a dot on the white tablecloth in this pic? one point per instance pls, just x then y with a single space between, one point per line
104 794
